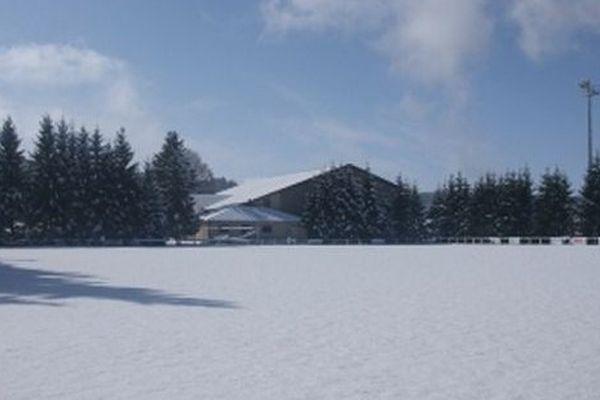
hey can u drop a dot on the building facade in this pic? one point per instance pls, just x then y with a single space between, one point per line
270 208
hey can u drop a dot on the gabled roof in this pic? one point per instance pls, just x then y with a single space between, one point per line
241 213
204 201
256 188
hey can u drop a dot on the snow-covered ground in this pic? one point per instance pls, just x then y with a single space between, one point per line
431 322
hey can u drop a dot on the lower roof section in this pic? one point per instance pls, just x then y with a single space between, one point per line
241 213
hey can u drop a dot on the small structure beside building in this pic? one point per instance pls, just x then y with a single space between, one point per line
268 208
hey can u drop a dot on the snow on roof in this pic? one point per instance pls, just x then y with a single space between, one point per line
249 214
204 201
256 188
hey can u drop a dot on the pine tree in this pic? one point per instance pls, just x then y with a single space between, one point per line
175 180
416 225
45 196
328 220
65 167
151 214
344 205
311 216
553 211
449 214
82 200
407 213
515 204
373 212
458 200
204 178
124 189
483 209
438 222
590 200
98 187
12 181
524 196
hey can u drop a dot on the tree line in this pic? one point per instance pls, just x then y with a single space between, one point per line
77 186
343 206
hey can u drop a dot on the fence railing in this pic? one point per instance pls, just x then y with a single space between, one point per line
519 240
233 241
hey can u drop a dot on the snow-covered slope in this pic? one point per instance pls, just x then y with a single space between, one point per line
301 323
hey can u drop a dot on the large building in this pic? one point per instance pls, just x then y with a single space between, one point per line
269 208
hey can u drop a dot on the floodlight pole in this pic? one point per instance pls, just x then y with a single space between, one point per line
589 91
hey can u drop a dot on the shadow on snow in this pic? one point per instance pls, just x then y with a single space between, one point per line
39 287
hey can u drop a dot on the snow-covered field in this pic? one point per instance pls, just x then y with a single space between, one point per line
431 322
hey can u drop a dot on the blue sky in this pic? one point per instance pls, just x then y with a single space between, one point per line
423 88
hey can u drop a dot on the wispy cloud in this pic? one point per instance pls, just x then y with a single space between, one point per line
431 45
549 27
74 82
287 15
51 64
431 41
417 136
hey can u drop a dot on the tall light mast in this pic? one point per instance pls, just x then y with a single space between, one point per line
589 91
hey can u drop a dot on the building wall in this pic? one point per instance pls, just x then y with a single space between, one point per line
264 230
290 200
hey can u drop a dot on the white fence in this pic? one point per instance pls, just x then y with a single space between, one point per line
499 241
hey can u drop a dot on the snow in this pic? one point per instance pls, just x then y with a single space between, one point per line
305 322
249 214
258 187
203 201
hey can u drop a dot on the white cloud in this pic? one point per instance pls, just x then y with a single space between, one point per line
428 40
436 40
287 15
549 27
431 43
76 83
55 65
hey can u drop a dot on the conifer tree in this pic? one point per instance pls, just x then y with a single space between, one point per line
45 186
407 213
311 216
458 200
374 214
483 209
327 219
175 179
204 178
515 206
12 181
65 167
344 205
98 187
151 214
342 221
416 226
82 200
449 214
590 200
320 217
124 188
438 221
400 212
553 211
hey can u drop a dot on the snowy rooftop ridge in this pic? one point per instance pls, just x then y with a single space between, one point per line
259 187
